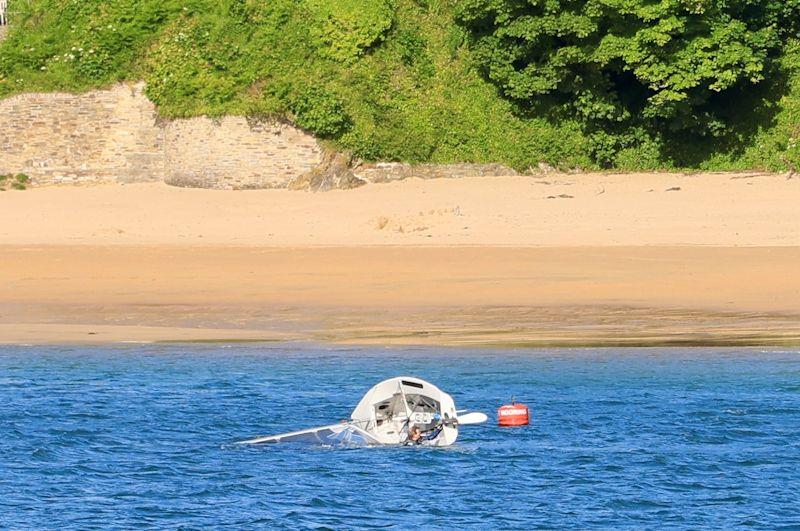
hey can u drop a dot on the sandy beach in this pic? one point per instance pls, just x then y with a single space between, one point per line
595 259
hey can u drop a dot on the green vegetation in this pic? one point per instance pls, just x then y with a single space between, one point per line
632 84
637 71
17 182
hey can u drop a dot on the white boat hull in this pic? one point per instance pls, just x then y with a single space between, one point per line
385 415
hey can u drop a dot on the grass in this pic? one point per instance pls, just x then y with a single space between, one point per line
17 182
385 79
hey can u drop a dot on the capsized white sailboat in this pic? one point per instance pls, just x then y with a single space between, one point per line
387 414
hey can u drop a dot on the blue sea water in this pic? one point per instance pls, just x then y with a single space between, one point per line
141 436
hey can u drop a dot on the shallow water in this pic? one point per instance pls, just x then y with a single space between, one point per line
141 435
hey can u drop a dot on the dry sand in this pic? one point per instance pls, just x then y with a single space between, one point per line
555 210
556 259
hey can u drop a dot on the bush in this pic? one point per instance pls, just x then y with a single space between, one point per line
665 66
345 29
320 112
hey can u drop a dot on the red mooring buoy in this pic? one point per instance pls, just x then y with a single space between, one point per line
513 415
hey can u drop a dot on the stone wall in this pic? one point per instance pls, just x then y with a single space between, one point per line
203 153
93 137
382 172
115 135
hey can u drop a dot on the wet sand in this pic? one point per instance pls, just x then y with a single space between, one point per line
402 295
646 259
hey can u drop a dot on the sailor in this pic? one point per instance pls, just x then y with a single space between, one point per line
415 435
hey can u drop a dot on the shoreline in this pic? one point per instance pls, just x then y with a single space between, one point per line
736 334
460 296
175 336
460 262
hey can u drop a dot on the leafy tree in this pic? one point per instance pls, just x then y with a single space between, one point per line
630 68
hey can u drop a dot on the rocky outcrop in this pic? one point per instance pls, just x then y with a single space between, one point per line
333 173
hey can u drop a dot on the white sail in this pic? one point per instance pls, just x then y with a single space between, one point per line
343 432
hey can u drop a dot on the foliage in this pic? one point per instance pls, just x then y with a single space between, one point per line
345 29
79 44
630 68
319 111
17 182
400 80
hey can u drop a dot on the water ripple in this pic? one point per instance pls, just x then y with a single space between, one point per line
142 436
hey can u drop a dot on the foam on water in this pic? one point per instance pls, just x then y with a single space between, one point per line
143 435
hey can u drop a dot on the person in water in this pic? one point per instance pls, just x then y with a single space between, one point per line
415 435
